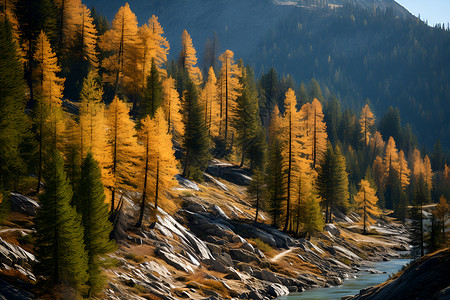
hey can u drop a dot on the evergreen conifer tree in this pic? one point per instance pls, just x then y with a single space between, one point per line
276 179
14 124
153 93
248 122
90 204
312 214
257 192
332 181
196 142
59 233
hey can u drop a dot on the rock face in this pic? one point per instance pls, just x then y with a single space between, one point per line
426 278
14 255
23 204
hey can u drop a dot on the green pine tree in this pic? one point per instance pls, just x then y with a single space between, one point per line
257 192
312 214
90 203
332 182
276 175
59 234
248 123
153 93
14 123
196 142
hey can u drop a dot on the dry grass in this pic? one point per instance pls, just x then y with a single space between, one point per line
199 282
266 248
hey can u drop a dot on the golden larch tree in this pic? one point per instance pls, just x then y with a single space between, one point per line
390 155
48 91
7 10
86 37
302 188
366 121
229 89
416 162
188 59
366 203
172 108
92 123
208 100
442 213
315 130
379 172
158 157
290 136
123 147
427 172
160 43
403 169
69 17
120 41
377 144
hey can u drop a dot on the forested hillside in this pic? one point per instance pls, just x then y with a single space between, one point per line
358 52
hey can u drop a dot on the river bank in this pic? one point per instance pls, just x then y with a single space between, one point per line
371 275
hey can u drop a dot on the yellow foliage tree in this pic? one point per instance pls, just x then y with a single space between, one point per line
69 17
291 140
379 172
427 172
229 89
366 203
315 130
86 37
159 163
417 163
442 212
366 122
172 108
390 156
123 148
48 91
8 10
302 188
208 100
377 144
92 123
188 59
151 46
120 41
160 43
404 171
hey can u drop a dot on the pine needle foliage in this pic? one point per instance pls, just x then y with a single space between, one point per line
59 234
90 204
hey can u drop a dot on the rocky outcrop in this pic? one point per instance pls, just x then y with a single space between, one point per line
22 204
426 278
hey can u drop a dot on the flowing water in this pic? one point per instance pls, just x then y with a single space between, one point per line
352 286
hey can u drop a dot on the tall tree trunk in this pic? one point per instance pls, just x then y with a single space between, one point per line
144 192
289 175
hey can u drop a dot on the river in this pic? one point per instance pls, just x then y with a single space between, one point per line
352 286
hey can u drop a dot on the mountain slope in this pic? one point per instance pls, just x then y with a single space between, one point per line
239 24
375 49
